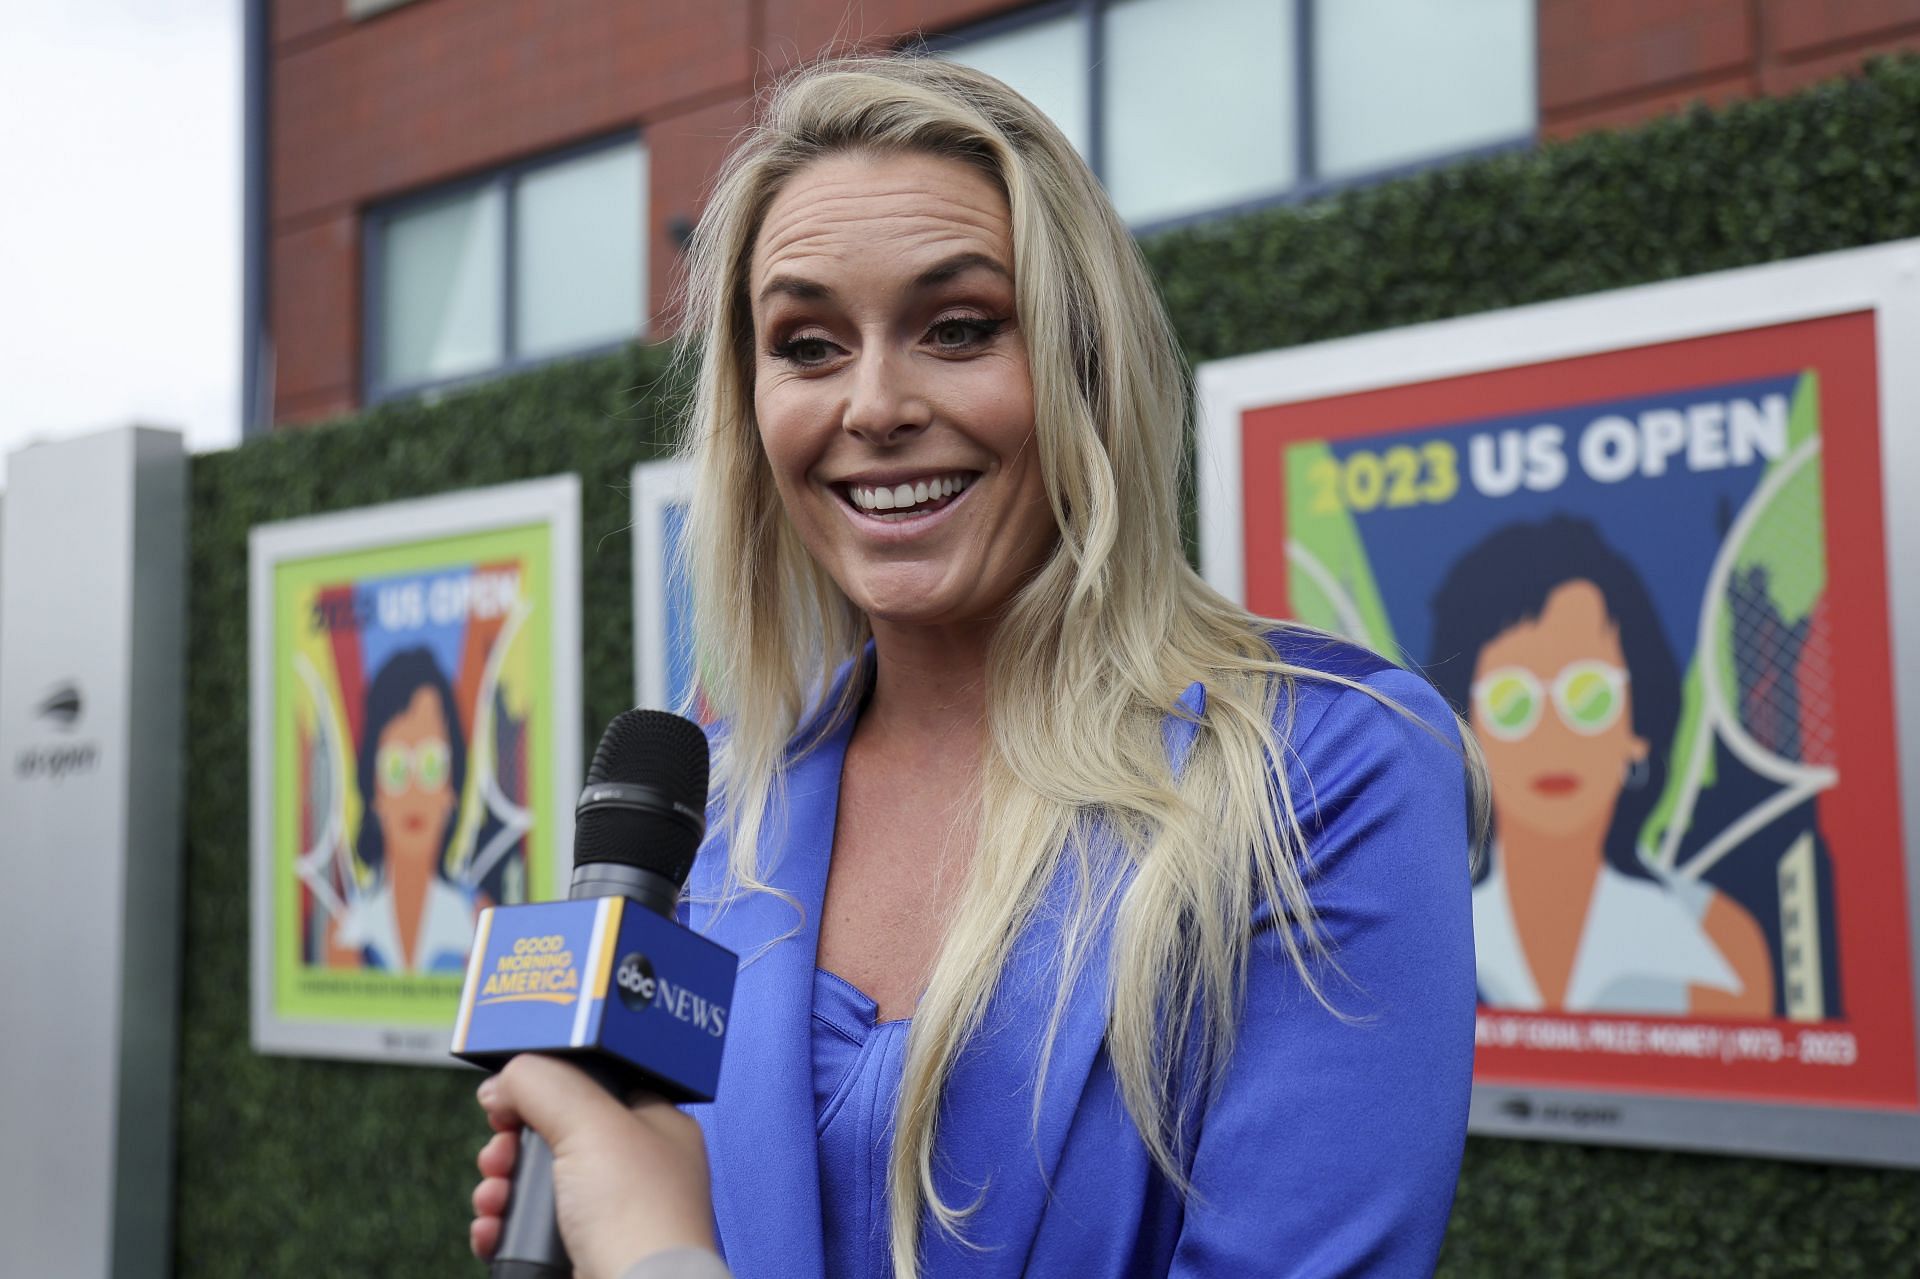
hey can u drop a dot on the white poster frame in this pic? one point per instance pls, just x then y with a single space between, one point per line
655 486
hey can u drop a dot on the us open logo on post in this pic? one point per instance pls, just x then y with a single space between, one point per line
636 981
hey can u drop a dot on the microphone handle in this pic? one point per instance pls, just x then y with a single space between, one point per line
530 1243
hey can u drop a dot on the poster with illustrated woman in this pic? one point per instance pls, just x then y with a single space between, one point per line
1647 545
416 738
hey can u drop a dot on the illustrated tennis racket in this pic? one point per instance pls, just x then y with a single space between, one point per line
1765 659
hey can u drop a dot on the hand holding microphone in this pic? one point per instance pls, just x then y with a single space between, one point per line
608 980
627 1183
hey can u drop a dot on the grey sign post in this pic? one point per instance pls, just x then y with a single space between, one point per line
92 574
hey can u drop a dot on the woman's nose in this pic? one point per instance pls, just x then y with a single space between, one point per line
885 404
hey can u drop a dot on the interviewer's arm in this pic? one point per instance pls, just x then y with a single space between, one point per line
1333 1147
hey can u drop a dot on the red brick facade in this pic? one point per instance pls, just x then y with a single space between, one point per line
363 111
1605 63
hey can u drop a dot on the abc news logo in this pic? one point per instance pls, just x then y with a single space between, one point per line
640 989
636 981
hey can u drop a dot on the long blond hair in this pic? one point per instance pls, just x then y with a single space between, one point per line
1090 657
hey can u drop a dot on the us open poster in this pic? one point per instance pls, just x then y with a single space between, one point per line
416 724
1655 579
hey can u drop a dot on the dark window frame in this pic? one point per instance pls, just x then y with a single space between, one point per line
375 388
1309 184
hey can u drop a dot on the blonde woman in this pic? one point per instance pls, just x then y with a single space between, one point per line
1092 926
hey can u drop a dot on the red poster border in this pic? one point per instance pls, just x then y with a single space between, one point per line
1861 815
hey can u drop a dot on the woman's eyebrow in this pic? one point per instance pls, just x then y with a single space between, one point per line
794 286
959 264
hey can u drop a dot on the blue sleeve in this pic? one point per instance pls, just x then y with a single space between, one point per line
1332 1147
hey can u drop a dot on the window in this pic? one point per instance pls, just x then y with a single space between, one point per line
1046 62
1185 107
1196 104
538 261
1400 80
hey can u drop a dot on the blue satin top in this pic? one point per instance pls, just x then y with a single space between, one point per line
1330 1147
856 1076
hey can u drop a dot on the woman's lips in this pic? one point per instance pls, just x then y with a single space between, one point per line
414 823
883 526
1556 783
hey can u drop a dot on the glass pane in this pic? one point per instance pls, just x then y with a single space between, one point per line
440 295
1199 98
1401 80
1044 62
579 235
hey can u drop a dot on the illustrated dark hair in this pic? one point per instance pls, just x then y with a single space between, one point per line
1505 580
404 674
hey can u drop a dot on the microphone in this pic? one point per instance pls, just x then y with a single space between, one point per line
543 978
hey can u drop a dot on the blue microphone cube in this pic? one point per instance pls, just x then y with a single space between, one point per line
603 978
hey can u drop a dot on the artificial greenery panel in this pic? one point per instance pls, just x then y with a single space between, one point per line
317 1168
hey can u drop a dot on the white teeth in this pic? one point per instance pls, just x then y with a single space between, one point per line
902 496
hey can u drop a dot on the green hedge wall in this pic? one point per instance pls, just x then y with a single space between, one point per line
312 1168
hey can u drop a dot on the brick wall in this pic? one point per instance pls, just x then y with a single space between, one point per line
430 90
1607 63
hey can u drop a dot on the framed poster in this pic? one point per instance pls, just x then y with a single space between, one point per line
1660 548
416 753
665 661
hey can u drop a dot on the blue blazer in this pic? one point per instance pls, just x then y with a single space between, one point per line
1330 1148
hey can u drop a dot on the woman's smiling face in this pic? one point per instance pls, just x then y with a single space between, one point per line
891 385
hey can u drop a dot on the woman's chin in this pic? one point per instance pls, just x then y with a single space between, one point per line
907 602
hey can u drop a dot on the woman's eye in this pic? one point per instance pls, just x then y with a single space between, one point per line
804 351
959 334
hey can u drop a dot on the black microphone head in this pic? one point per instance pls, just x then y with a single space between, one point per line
646 795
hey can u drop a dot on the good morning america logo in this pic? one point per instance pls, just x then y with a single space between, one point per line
640 988
538 969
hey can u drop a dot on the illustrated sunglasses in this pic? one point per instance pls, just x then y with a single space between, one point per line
1588 695
424 764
